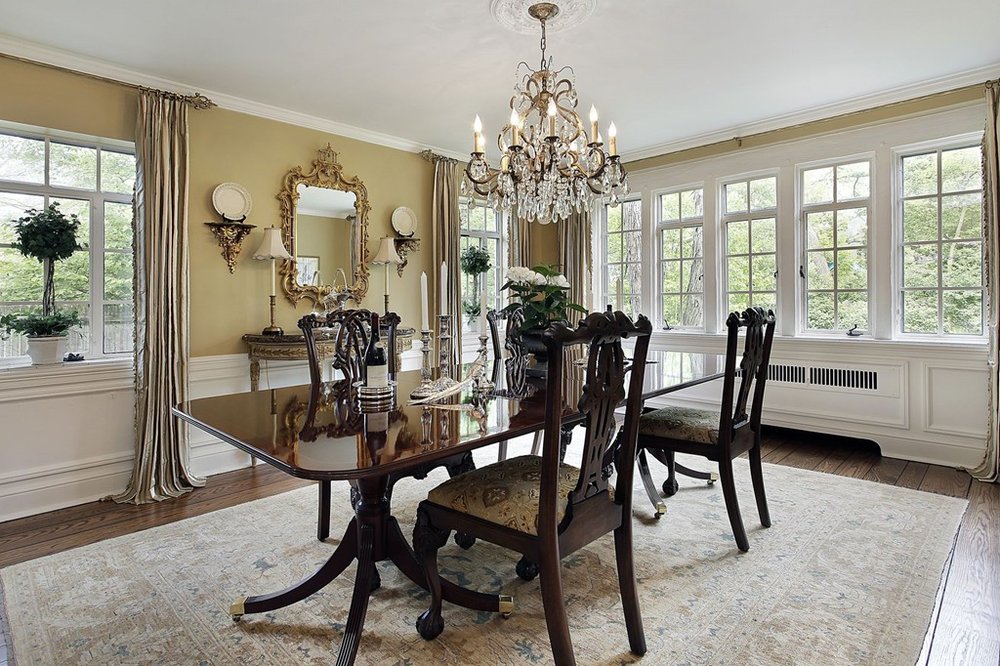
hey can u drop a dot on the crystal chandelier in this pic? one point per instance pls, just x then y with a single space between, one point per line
549 166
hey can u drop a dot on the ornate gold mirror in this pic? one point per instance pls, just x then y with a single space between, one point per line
324 224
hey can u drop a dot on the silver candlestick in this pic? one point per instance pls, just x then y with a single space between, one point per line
482 383
426 387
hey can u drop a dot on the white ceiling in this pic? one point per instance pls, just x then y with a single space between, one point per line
664 70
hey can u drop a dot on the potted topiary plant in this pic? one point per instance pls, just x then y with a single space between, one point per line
48 235
475 261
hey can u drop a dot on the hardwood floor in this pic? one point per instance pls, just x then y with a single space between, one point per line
965 628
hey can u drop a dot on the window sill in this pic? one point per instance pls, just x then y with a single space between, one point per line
19 380
864 344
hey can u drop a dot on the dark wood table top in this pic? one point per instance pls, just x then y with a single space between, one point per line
342 442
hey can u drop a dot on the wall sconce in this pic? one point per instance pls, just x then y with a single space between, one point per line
233 203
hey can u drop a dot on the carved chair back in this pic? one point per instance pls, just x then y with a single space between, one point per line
512 331
603 390
351 330
752 373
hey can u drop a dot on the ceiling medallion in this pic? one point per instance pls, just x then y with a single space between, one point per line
513 15
550 165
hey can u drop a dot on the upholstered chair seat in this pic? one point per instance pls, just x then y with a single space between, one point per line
505 493
683 423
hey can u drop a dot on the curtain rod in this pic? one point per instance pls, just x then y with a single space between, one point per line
196 100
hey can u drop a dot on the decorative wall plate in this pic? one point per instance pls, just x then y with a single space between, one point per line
404 221
232 201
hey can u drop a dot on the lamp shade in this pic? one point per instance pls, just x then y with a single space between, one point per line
387 252
271 246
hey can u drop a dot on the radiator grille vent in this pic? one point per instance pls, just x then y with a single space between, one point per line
792 374
858 379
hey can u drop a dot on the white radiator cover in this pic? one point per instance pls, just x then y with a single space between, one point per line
917 401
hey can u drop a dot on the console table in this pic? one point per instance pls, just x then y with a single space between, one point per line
292 347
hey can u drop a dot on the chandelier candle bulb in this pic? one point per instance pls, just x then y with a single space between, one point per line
552 117
515 124
477 136
595 136
612 140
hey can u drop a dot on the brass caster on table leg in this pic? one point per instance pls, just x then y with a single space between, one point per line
712 478
236 609
506 605
661 509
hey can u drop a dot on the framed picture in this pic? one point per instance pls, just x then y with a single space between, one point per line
308 268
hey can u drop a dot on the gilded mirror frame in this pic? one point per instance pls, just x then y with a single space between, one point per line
327 173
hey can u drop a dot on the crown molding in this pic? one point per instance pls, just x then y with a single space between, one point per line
861 103
51 56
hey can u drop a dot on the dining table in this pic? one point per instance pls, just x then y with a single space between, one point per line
325 433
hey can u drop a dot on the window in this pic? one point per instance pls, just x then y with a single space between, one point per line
482 226
621 268
942 242
836 203
93 180
749 212
682 265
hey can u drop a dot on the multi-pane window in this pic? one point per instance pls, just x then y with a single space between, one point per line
621 271
94 182
836 202
942 248
749 213
682 264
484 227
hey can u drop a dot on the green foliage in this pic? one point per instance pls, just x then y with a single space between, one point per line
46 234
38 325
542 293
476 260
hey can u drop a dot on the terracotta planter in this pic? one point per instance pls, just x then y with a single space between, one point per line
47 350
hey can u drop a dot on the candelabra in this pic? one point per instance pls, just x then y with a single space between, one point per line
481 382
444 381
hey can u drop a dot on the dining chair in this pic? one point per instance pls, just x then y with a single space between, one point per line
515 363
719 435
544 508
351 330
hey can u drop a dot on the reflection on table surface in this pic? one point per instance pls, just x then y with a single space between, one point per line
324 434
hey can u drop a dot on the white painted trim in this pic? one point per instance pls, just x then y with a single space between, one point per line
823 112
44 54
68 379
928 396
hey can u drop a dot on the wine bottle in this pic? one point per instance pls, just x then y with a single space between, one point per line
376 365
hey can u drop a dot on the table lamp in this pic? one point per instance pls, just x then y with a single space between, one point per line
387 255
271 248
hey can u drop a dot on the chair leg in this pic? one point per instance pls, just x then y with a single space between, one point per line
427 540
670 484
323 526
627 588
502 454
757 476
466 464
554 607
536 444
732 504
647 483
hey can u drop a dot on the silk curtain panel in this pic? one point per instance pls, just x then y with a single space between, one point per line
161 468
989 469
518 241
447 244
575 257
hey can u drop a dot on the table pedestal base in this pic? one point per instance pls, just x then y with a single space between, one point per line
373 535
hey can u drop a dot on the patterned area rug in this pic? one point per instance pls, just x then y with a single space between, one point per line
847 575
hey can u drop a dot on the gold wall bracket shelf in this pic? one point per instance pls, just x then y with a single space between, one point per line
230 236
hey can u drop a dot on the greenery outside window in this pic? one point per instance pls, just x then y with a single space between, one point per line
483 226
94 180
620 255
750 209
682 265
940 208
836 206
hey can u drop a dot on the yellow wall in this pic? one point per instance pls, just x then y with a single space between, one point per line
873 116
232 147
226 146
